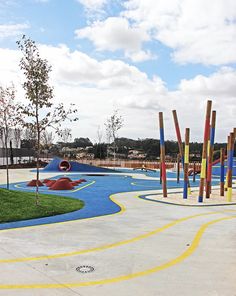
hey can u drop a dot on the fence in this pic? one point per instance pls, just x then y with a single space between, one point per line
134 164
20 155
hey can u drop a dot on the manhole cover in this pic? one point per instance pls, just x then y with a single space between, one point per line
85 268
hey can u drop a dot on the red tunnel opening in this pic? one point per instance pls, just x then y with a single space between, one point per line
64 166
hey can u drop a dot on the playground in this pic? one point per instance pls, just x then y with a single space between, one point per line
140 232
124 240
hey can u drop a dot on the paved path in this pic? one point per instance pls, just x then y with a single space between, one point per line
147 249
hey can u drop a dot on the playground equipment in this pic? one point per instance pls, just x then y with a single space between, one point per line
162 150
45 181
230 158
144 168
193 172
62 184
178 167
59 165
180 144
65 166
210 154
50 183
222 171
186 163
33 183
204 152
65 178
208 167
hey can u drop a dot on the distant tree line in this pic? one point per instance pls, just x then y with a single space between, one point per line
148 146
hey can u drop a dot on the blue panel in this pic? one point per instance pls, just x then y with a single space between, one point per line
185 192
212 136
162 141
222 173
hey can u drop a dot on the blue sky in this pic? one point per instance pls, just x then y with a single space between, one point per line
54 22
136 56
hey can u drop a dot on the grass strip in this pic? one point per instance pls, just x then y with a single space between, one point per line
18 205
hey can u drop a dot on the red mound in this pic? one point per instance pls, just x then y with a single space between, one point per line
33 183
50 183
78 181
83 180
74 183
65 178
46 180
62 185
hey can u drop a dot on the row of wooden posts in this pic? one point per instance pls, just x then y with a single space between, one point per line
207 157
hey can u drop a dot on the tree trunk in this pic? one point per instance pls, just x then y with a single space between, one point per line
37 158
7 167
11 154
37 170
100 151
114 153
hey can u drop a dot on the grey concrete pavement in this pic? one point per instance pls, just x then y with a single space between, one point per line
129 252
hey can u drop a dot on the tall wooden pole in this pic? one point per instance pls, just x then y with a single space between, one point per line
180 143
210 155
226 179
178 167
204 152
230 167
160 166
186 163
162 151
178 135
194 171
222 171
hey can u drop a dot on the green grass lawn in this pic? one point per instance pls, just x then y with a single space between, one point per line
16 205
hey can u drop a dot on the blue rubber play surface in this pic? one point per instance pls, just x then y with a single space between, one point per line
96 194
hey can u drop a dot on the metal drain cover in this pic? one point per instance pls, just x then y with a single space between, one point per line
85 268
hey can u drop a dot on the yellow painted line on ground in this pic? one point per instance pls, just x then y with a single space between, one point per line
80 188
109 246
190 250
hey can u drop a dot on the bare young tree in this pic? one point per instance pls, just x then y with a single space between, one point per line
2 142
100 135
9 118
113 124
29 137
17 133
47 140
29 134
65 135
40 112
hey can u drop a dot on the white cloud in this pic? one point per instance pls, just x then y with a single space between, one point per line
77 68
9 60
98 87
221 83
12 30
116 33
202 31
93 4
94 9
140 56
